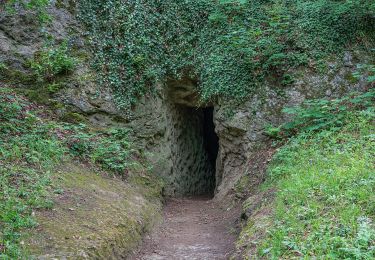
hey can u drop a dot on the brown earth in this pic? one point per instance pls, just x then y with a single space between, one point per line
193 228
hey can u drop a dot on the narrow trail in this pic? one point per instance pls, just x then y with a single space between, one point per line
193 228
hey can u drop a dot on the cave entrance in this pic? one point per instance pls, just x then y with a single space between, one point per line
194 149
210 138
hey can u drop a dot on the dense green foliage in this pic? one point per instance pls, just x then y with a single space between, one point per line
38 6
229 46
324 206
320 114
31 147
110 149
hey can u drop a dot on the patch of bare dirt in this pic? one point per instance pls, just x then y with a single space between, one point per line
193 228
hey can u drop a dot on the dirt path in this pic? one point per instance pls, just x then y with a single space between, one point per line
193 229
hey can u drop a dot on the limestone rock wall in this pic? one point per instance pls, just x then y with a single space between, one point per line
241 129
21 35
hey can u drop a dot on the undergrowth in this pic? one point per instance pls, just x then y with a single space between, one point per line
325 179
32 145
52 61
37 6
320 114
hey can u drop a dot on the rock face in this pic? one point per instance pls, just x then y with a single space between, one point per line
239 129
21 35
170 125
241 132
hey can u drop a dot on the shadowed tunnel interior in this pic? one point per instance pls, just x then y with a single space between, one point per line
211 141
194 149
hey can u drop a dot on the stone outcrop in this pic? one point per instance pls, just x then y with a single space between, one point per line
241 129
21 34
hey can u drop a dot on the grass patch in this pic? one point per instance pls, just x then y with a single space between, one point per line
28 152
325 204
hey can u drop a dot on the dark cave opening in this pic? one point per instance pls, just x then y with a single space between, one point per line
210 138
194 150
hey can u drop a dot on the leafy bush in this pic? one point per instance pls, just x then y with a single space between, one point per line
51 62
229 46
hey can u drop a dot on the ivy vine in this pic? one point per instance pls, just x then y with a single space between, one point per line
228 46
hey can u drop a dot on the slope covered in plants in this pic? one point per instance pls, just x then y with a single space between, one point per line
229 46
324 182
33 146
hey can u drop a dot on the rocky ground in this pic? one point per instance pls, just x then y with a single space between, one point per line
193 228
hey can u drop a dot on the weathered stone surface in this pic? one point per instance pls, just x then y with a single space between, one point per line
242 132
21 34
191 172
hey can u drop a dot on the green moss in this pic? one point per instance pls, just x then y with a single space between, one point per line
254 231
242 186
68 5
14 76
73 117
98 216
38 96
351 78
246 232
151 186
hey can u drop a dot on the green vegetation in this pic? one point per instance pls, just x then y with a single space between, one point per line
324 174
367 69
28 151
31 147
38 6
321 114
324 206
110 149
51 62
51 68
50 71
230 46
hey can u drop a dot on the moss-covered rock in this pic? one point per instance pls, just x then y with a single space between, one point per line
72 117
95 216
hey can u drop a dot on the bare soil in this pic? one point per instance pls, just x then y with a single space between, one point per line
193 228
